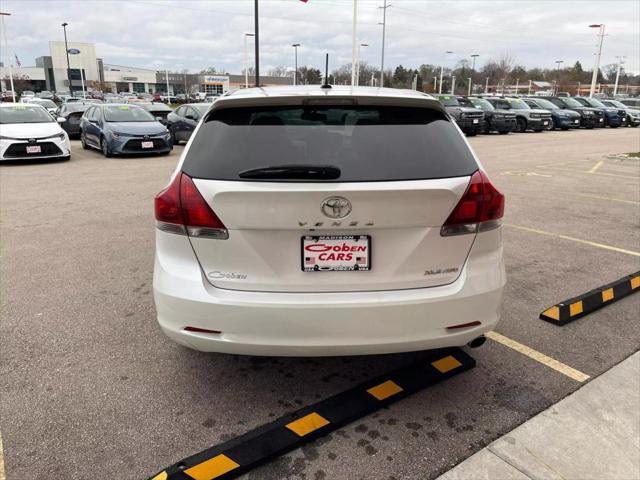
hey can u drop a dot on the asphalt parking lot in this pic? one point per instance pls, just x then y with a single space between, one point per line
92 388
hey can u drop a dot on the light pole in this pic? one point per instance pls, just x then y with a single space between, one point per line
6 45
517 85
486 86
295 72
620 62
596 67
246 69
469 93
530 82
354 42
473 68
358 62
442 68
558 63
384 26
453 84
256 33
66 48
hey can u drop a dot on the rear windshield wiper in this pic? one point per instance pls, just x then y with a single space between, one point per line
294 172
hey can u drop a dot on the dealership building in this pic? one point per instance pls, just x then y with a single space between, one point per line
50 73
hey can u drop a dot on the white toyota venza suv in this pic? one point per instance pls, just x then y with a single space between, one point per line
328 221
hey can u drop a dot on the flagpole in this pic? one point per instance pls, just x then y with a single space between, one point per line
353 43
6 45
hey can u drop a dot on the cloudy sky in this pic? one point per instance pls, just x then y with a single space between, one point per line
197 34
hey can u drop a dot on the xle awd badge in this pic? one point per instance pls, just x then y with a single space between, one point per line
335 207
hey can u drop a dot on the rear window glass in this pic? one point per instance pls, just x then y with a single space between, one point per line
366 143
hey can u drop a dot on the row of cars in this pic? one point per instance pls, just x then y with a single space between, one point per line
505 114
31 131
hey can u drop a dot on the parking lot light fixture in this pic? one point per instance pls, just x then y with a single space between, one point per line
358 62
596 67
246 72
66 48
442 68
295 72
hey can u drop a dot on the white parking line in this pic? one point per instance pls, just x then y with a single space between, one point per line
573 239
596 166
602 197
2 472
539 357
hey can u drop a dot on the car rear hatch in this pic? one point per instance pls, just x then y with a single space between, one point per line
329 198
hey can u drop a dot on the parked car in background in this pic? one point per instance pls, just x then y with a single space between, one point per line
27 94
527 118
469 119
182 122
7 96
211 98
45 94
562 119
147 97
72 113
589 117
122 129
159 110
613 117
501 121
28 131
181 98
630 102
266 232
633 114
50 105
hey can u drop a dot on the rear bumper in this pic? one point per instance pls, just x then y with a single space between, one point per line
322 324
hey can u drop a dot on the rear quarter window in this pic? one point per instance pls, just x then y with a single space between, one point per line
366 143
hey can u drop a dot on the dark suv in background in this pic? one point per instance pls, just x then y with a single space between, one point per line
562 119
589 117
495 120
614 117
469 119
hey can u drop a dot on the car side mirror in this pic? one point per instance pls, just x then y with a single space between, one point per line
189 116
61 119
159 119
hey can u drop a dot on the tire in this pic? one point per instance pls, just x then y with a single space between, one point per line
83 141
503 132
553 125
521 125
105 148
174 141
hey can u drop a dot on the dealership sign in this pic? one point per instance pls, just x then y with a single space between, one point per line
216 79
73 51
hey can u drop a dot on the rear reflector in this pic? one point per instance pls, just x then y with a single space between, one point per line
180 209
199 330
464 325
480 208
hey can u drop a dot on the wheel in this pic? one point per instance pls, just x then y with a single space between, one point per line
83 141
174 140
553 125
521 125
104 147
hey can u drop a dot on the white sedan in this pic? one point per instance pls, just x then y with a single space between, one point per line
29 131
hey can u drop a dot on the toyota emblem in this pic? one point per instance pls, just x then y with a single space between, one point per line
336 207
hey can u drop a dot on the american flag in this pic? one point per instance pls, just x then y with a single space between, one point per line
309 261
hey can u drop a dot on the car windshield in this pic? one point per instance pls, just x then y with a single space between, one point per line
24 114
614 103
518 104
570 102
126 113
75 107
47 103
357 141
202 109
546 104
595 103
482 104
448 100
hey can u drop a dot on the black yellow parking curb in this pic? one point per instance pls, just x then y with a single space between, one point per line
239 455
574 308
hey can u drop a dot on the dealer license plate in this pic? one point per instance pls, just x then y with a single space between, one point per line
545 123
475 120
576 121
147 144
34 149
336 253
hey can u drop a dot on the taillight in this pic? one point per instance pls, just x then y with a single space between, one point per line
480 208
181 209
